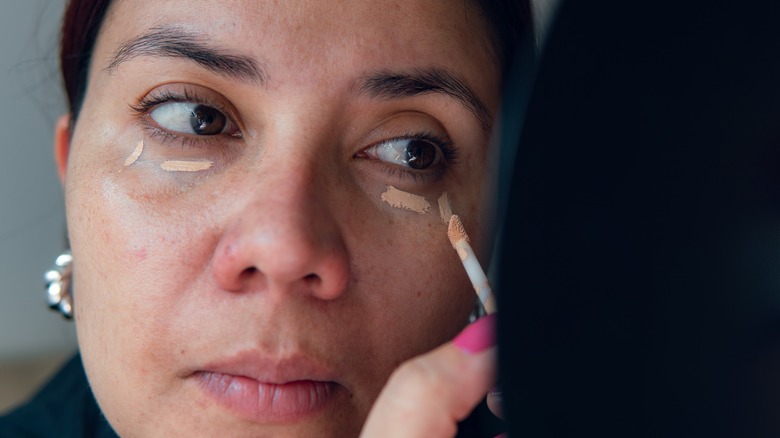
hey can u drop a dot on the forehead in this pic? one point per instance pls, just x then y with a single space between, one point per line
312 22
321 37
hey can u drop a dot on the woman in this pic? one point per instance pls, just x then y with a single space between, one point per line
240 266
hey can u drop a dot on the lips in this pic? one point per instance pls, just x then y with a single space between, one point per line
269 391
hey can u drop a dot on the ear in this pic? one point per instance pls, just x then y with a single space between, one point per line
62 145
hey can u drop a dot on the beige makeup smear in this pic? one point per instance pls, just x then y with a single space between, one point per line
458 237
135 154
407 201
185 166
445 210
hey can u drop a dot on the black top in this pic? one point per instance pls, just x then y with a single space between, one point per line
64 407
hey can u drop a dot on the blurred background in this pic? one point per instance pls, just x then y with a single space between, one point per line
33 340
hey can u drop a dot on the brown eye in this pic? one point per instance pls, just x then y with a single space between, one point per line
207 121
420 154
413 153
189 118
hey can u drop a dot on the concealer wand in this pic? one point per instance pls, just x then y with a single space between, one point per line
460 241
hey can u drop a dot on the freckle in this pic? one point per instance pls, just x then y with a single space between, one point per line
181 352
418 294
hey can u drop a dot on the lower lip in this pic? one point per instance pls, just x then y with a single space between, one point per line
268 402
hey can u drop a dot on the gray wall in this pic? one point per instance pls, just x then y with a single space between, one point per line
31 215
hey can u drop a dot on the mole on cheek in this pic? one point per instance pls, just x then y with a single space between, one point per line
140 253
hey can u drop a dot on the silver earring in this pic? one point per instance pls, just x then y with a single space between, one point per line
58 294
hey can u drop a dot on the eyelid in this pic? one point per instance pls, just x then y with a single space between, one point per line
190 94
181 117
448 151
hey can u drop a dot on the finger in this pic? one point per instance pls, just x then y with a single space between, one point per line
427 395
495 401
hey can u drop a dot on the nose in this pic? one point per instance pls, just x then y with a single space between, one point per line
284 237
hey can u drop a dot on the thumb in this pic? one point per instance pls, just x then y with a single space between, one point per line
427 395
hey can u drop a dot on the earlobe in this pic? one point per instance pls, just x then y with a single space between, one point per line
62 145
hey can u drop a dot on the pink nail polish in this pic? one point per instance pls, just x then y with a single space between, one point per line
478 336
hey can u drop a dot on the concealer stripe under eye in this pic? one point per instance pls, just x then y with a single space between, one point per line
445 209
406 201
135 154
185 166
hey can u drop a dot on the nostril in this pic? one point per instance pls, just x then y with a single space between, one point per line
312 279
248 273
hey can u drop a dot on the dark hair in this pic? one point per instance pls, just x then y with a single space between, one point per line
80 27
510 21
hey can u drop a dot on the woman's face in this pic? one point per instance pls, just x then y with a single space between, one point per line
237 271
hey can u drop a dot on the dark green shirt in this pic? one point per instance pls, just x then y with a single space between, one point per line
63 408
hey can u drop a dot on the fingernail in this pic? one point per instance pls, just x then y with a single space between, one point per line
478 336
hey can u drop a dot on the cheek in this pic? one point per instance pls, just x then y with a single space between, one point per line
417 262
132 258
432 286
417 293
135 261
121 236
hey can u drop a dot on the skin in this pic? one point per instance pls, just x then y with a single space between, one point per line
282 249
428 395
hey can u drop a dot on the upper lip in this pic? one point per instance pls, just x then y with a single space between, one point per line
272 369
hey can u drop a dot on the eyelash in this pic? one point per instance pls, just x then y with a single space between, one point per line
144 107
151 101
445 146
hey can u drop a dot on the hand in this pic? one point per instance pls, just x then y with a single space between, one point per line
427 395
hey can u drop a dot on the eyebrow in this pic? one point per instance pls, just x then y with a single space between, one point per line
174 42
170 41
387 84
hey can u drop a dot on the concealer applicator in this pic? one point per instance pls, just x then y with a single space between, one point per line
460 241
